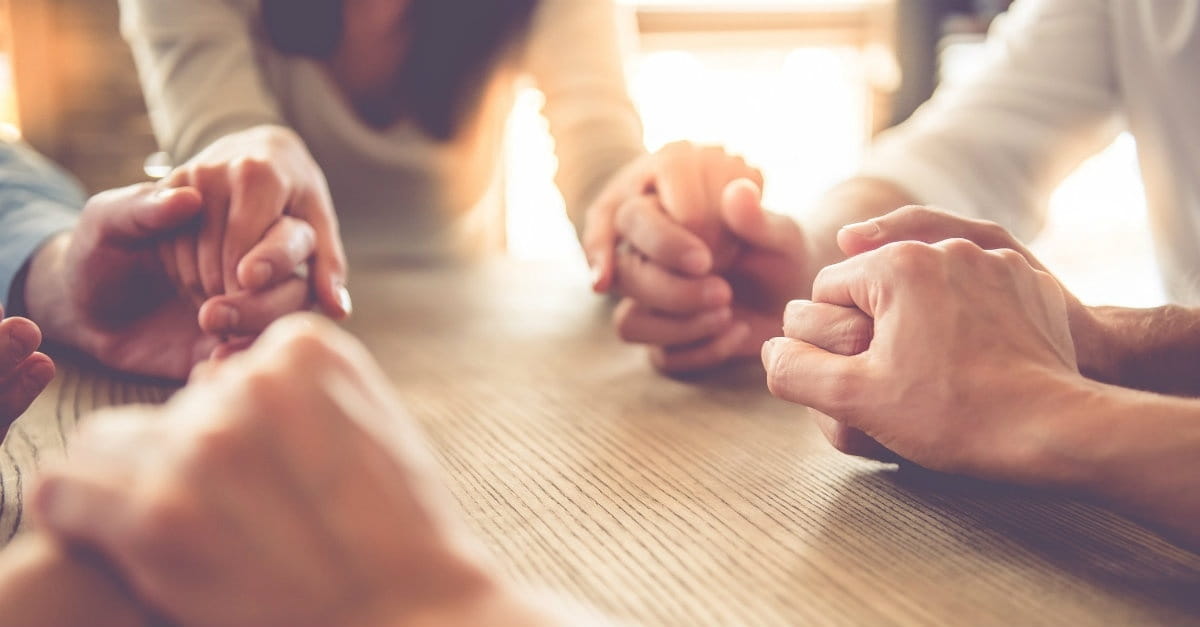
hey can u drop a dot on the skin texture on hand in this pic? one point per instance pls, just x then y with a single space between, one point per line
922 224
704 272
24 372
965 344
249 181
104 289
287 482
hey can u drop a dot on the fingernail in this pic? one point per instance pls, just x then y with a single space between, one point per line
870 228
768 352
343 296
261 273
795 305
696 262
229 316
716 293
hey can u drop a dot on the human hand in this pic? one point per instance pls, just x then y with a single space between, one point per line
24 372
684 184
965 344
103 288
249 180
923 224
286 482
693 322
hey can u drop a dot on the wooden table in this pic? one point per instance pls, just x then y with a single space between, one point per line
688 503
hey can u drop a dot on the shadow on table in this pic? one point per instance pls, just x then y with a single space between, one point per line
1025 539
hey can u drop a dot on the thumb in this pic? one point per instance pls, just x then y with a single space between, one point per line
802 373
138 213
925 224
744 216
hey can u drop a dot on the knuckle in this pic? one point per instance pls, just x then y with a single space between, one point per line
909 258
1011 258
219 445
253 171
961 248
206 175
163 513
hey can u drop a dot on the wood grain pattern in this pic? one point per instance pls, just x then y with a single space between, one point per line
667 502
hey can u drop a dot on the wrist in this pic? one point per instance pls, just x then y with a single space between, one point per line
47 298
1097 334
1062 446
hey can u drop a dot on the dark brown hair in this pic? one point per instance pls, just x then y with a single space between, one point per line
453 46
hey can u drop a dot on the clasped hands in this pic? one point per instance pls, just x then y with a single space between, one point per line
157 278
909 347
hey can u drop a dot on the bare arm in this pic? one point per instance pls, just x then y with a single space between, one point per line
1138 451
1150 349
575 57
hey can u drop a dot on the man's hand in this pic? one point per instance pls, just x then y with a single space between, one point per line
704 271
665 205
923 224
24 372
965 344
248 181
284 486
104 289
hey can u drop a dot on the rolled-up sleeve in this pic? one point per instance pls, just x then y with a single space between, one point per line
997 145
199 70
575 57
37 200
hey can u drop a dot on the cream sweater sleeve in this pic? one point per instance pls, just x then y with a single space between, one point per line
575 57
996 146
198 68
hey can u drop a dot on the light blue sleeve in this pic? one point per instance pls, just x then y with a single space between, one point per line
37 200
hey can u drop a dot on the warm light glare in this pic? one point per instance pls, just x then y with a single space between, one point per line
797 113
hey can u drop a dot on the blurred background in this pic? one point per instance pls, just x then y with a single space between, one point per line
797 86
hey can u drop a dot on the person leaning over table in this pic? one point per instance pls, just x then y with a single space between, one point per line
1062 77
394 111
91 279
285 486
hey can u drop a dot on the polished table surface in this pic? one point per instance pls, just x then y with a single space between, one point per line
667 502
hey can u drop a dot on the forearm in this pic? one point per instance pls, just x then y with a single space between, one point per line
199 69
44 583
854 200
1147 349
1134 450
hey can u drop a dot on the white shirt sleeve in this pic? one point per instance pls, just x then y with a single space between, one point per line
575 57
198 68
997 145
